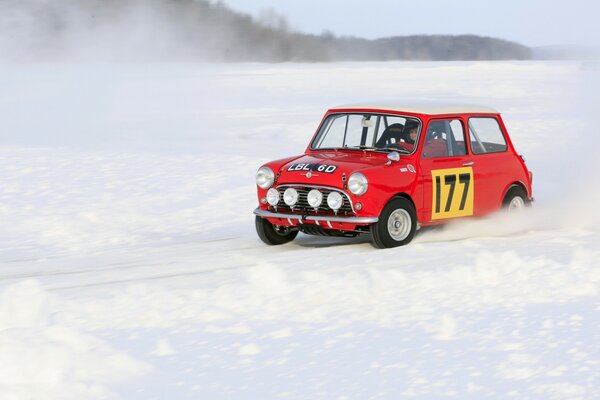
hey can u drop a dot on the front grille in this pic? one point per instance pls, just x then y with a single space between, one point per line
302 206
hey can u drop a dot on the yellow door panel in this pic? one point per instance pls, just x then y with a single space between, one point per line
453 190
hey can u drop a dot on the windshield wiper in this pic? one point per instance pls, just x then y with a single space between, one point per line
398 149
383 149
362 147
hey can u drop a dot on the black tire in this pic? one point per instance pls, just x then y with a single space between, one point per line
271 235
516 198
388 233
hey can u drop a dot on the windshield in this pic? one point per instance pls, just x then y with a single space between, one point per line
376 132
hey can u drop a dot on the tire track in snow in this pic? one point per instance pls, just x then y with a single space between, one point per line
129 247
99 254
152 277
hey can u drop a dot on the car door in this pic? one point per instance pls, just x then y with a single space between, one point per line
448 172
493 160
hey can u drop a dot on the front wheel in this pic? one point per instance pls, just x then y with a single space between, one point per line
515 199
396 226
273 235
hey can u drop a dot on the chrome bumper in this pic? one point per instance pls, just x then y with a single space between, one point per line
316 218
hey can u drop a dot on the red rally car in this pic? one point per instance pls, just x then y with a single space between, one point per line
387 170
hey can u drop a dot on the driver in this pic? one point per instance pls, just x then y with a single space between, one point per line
411 129
410 135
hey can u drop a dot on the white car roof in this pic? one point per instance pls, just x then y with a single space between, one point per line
429 108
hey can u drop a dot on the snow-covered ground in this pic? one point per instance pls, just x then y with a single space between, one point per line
129 265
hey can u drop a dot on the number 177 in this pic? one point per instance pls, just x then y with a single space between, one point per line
448 198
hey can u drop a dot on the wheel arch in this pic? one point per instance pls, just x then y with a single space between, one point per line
407 197
518 184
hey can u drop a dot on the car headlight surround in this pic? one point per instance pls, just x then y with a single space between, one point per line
265 177
290 196
335 200
358 184
314 198
273 197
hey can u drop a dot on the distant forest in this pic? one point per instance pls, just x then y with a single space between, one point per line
200 30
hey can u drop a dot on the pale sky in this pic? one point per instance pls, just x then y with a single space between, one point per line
529 22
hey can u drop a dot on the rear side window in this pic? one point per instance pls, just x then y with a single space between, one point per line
444 138
486 136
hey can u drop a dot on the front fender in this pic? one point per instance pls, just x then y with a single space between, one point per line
385 183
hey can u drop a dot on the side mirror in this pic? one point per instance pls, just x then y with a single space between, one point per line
394 156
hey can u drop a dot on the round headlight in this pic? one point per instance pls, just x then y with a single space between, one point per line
314 198
273 196
290 196
358 183
265 177
334 200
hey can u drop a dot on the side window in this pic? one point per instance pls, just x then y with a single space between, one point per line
486 136
445 138
458 144
390 121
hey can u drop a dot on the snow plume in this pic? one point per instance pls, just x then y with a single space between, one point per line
572 187
110 30
584 169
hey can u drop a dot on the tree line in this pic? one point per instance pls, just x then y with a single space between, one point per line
202 30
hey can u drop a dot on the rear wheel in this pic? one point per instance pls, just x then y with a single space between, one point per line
273 235
396 226
515 199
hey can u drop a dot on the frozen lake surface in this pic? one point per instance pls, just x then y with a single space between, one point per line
129 265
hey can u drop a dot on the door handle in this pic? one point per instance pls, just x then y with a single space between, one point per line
467 164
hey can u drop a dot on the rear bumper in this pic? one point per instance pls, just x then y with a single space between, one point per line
316 218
